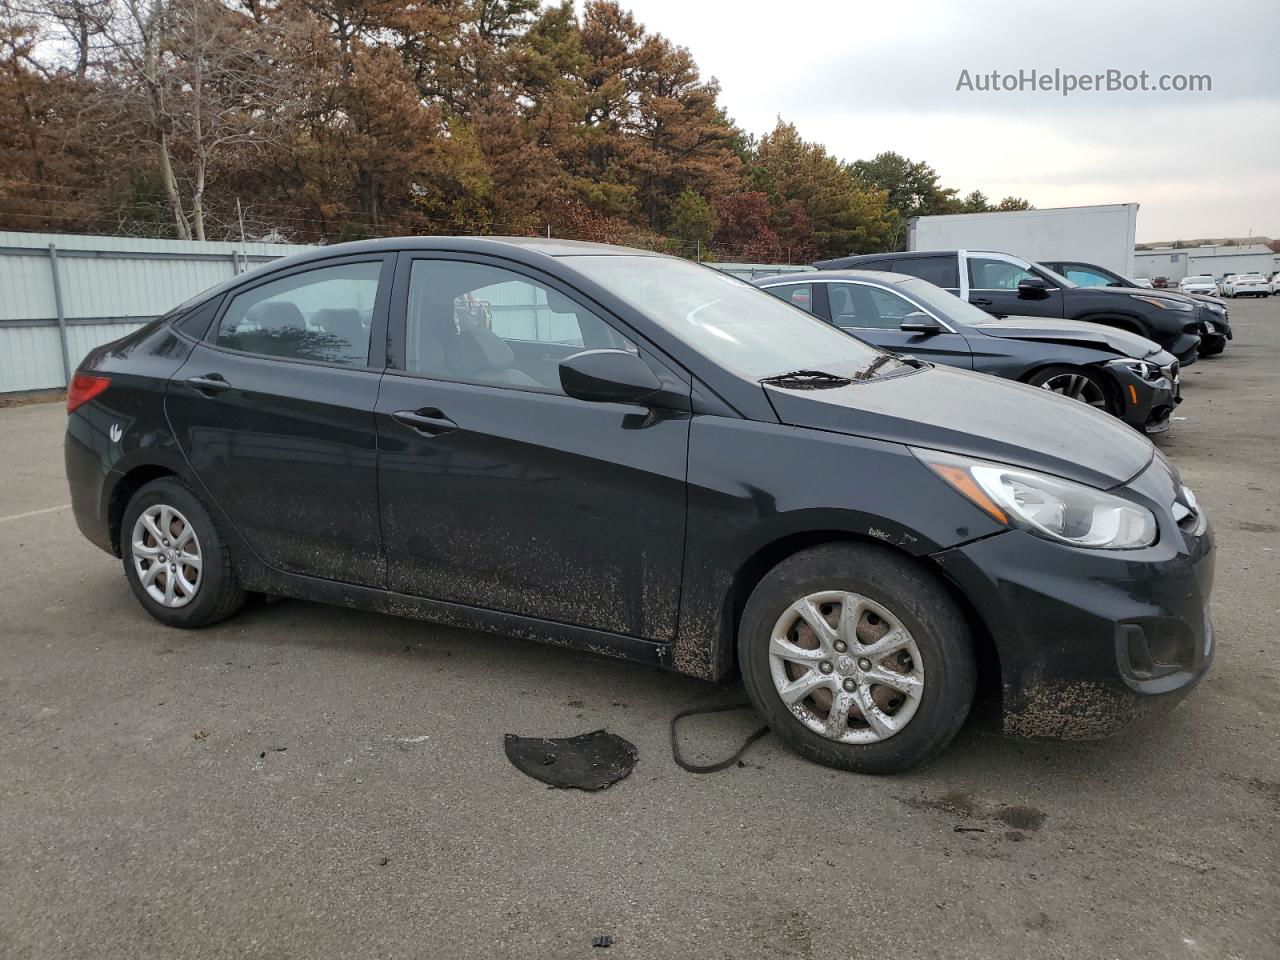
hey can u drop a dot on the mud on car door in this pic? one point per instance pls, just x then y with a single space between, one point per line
499 491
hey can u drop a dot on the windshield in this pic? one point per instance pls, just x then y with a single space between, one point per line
739 326
947 304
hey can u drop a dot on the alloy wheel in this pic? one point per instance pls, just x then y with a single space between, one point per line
166 556
846 667
1078 387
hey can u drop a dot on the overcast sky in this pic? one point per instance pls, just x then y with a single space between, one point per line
866 77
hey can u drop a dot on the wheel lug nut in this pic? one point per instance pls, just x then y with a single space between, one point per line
850 686
841 646
864 664
826 666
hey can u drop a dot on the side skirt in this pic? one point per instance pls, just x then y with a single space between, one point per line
267 580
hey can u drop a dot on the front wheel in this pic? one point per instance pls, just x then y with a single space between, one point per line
176 561
857 658
1077 383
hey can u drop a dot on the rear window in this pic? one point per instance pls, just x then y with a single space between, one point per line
940 271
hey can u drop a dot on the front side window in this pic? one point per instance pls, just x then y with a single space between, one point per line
475 323
859 307
734 324
988 274
322 314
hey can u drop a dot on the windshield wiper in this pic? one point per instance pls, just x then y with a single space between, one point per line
808 380
875 365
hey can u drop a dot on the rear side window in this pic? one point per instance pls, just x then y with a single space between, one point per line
196 323
797 294
1085 277
322 314
940 271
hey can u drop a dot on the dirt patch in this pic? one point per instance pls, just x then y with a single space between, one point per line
24 398
959 805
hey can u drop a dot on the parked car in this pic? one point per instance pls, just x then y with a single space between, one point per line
1222 283
1215 327
1143 282
1160 283
1201 284
1275 283
1246 285
1120 373
1005 285
646 458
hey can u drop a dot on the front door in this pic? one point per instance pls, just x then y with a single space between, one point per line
993 287
499 491
275 413
875 315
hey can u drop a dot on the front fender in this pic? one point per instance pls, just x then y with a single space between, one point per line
755 485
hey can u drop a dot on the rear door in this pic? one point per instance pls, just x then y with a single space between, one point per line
874 314
274 410
993 286
499 491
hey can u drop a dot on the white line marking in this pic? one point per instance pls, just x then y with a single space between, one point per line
33 513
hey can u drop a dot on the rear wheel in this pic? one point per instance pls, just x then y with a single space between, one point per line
1077 383
857 658
175 559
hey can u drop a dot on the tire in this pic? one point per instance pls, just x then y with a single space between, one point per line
205 590
1096 390
886 587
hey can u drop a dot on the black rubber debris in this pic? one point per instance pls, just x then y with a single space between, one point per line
591 761
603 940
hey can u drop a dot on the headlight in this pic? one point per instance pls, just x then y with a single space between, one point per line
1046 506
1143 368
1163 304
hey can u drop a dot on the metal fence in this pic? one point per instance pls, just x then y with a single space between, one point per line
62 295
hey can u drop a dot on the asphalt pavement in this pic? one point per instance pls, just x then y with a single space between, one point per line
306 781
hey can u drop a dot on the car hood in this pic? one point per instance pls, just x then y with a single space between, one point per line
1073 332
975 415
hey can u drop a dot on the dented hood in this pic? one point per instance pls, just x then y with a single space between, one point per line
1071 331
976 415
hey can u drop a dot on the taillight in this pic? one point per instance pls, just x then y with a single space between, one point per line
84 387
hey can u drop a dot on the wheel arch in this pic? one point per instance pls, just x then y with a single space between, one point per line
756 566
122 492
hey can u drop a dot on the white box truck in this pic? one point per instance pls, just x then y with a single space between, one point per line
1103 234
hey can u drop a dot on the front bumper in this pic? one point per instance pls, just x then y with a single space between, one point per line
1146 405
1091 640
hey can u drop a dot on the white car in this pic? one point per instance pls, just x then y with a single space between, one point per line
1247 285
1142 282
1200 284
1275 283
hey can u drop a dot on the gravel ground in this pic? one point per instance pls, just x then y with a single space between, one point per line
305 781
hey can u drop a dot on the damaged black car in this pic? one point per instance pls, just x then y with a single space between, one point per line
1113 370
631 454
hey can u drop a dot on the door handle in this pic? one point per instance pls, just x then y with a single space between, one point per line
981 302
210 383
428 420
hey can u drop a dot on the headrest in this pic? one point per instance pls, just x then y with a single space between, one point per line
336 320
476 350
275 315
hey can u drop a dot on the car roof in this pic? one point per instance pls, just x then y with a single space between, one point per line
826 276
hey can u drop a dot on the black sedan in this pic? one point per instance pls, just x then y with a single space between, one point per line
1215 323
638 456
1113 370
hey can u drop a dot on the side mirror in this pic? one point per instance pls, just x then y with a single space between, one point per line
1033 289
919 322
608 376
